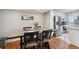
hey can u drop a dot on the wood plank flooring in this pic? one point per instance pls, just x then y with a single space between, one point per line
56 43
13 45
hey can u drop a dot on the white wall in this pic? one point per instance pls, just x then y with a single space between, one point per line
74 36
47 20
0 23
57 13
51 19
11 20
76 13
74 32
49 16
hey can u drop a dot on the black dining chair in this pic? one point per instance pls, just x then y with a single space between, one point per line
30 40
2 42
46 35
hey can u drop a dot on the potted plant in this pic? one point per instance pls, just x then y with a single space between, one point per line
35 25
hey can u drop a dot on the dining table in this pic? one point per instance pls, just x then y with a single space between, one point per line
20 34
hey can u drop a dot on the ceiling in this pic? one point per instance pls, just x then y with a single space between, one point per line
33 10
45 10
66 10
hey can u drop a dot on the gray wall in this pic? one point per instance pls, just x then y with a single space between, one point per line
11 21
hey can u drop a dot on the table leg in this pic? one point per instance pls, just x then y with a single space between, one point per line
21 42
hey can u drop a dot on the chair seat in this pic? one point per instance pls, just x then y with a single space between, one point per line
46 40
31 44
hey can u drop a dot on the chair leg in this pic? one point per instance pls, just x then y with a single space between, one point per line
3 48
21 43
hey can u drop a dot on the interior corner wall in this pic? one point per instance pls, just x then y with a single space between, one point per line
49 16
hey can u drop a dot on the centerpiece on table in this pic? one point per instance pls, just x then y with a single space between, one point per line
36 25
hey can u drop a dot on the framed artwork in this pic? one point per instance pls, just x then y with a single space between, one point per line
27 17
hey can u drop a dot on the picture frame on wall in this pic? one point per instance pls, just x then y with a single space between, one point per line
27 17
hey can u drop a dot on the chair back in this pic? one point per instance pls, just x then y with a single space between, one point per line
46 34
30 37
2 42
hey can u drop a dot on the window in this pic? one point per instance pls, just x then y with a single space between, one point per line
73 21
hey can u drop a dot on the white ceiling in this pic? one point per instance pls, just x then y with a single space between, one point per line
33 10
45 10
66 10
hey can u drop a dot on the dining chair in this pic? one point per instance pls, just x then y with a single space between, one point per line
46 35
2 42
30 40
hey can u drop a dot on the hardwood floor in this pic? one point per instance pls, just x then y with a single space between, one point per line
71 46
13 45
56 43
